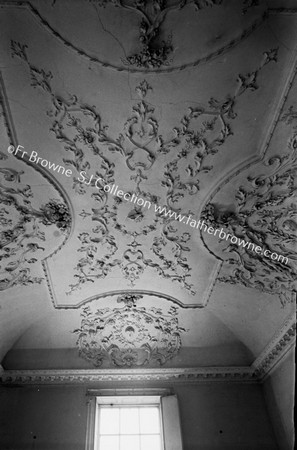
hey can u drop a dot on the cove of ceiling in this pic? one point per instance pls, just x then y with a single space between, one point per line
187 105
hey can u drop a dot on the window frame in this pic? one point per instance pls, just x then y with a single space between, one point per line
170 428
126 401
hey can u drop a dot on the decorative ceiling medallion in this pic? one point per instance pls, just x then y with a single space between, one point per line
270 358
129 336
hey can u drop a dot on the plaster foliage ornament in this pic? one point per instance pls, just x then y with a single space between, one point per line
125 239
265 215
201 133
29 213
128 336
101 253
23 228
155 50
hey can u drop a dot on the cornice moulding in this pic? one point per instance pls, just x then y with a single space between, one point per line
269 359
193 375
281 343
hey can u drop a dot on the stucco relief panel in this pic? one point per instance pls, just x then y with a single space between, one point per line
132 242
262 213
128 336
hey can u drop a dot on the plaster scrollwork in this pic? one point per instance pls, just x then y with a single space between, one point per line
23 223
128 336
185 156
24 218
150 62
200 134
156 51
168 248
265 214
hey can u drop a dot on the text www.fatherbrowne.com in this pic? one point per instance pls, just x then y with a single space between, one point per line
201 225
187 220
100 183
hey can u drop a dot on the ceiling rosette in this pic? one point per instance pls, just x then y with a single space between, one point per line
128 336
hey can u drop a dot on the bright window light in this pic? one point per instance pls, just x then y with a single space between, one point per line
129 426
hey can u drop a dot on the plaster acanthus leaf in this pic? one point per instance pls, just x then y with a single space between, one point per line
23 228
130 336
82 53
155 52
24 219
264 215
185 156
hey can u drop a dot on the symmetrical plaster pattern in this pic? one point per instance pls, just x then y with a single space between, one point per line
116 248
184 158
129 336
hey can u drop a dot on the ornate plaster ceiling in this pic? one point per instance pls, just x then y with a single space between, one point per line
168 104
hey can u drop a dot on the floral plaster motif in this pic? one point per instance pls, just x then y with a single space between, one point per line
124 239
129 336
31 208
155 51
265 214
23 228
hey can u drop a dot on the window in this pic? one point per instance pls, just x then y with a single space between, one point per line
128 424
133 422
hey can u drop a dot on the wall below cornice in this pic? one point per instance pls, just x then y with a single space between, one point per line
213 416
279 397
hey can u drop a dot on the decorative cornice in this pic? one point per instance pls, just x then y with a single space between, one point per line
93 59
274 352
233 374
269 359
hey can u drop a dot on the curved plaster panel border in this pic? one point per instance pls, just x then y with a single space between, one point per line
13 140
221 183
255 159
149 293
93 59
